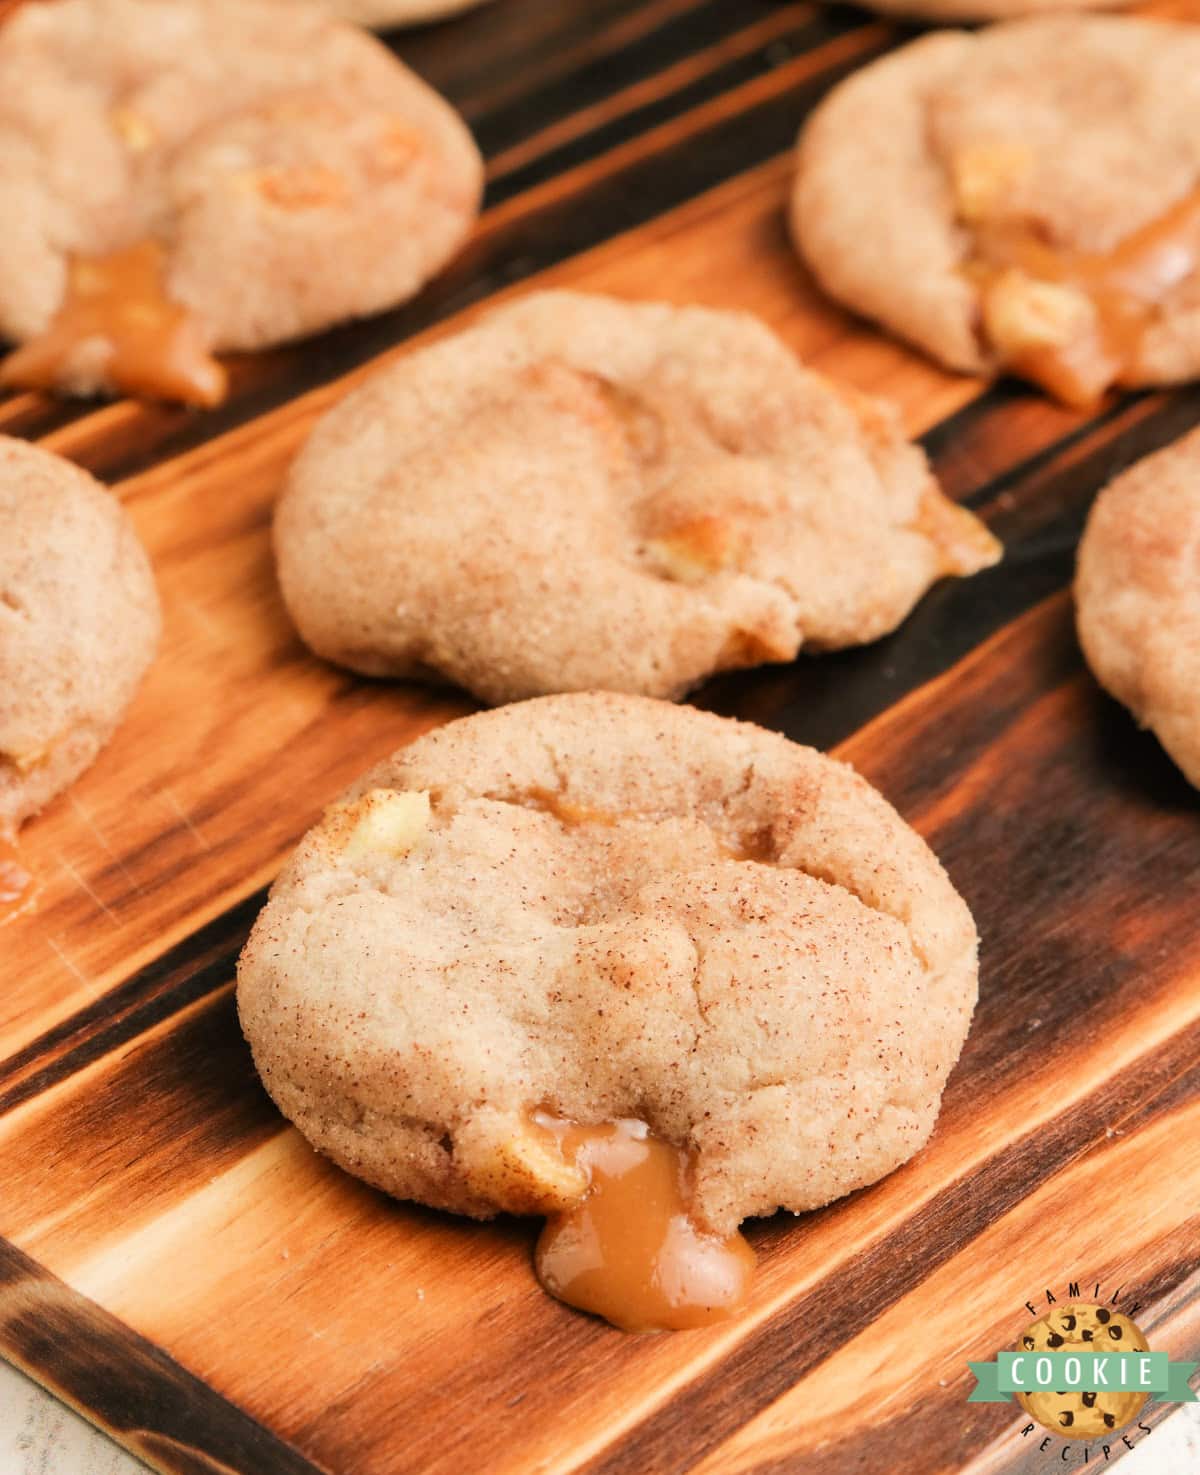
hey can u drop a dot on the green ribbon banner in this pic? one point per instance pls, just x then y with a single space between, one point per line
1082 1372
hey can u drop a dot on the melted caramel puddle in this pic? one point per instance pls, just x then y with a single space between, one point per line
629 1250
16 884
1125 286
152 346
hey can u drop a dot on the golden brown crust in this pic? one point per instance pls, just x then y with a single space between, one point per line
610 906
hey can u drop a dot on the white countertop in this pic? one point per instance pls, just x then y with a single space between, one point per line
38 1436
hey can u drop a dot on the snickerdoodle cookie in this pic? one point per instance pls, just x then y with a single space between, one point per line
581 492
179 177
1023 198
604 907
79 624
1137 596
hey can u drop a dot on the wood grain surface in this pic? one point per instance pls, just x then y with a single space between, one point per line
176 1263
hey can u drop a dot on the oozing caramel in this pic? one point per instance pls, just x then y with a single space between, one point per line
135 338
1118 292
629 1251
16 884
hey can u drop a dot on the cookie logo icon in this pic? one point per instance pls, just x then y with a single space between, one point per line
1082 1371
1080 1327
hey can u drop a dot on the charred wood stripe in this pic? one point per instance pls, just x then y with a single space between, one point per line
497 58
198 966
127 1386
777 36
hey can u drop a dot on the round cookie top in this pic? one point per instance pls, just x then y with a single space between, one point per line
1023 197
586 493
605 907
211 159
79 623
1137 595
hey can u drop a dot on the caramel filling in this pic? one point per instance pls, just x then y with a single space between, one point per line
1074 321
963 543
569 814
629 1250
118 327
16 884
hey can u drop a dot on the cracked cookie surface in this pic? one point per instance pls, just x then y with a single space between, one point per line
605 907
247 154
584 493
79 623
1023 197
1137 596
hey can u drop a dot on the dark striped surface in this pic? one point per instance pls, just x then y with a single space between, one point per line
177 1264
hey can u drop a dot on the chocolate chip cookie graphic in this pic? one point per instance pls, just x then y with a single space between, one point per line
1137 596
79 623
1022 199
1081 1327
586 493
182 177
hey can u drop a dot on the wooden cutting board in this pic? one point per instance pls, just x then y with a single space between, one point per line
176 1263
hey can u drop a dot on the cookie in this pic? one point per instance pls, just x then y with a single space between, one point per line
1081 1327
1137 596
79 623
1020 199
604 907
586 493
182 177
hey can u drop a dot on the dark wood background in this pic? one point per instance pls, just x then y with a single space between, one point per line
175 1261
